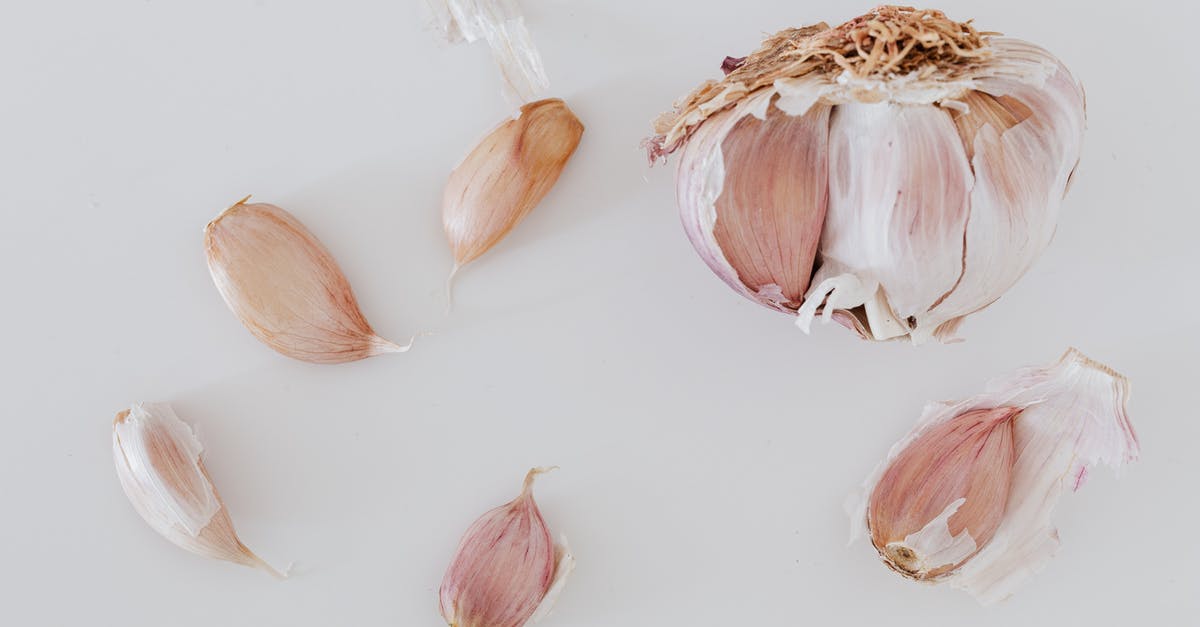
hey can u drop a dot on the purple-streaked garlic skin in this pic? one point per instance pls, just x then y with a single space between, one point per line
1059 420
504 566
969 457
943 182
286 288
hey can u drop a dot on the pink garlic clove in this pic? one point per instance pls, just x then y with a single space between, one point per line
943 497
286 288
507 568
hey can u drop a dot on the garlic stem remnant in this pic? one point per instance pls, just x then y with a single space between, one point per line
966 498
286 288
158 460
507 571
506 176
502 25
895 173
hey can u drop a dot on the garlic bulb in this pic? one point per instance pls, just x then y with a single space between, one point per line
502 25
895 173
507 571
506 176
286 288
159 464
966 498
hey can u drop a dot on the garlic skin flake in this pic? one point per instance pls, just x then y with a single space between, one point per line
507 571
966 498
286 288
159 465
502 25
506 176
913 172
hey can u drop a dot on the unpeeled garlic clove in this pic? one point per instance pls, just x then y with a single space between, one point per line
286 288
967 497
159 465
506 176
507 570
944 495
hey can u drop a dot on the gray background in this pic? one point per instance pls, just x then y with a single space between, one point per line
706 444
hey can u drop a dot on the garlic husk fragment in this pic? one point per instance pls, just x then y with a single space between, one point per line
936 156
966 498
158 461
506 176
507 571
286 288
502 25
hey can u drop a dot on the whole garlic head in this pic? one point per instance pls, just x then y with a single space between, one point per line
895 173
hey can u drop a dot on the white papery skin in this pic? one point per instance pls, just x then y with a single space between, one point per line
158 461
502 25
1073 417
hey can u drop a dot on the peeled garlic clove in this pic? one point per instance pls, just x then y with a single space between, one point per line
506 176
501 24
158 460
967 497
753 199
507 570
286 288
944 495
947 155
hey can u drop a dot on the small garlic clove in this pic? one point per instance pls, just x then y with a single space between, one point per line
899 182
286 288
506 176
772 202
944 495
1070 417
158 461
507 569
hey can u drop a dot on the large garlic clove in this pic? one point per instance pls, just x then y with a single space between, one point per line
1025 140
158 461
1071 416
286 288
506 176
898 187
944 495
762 231
507 569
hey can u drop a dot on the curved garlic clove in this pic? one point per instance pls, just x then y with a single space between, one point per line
757 218
286 288
944 495
506 176
158 461
898 187
1069 416
507 570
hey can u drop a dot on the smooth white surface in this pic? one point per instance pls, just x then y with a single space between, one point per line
706 445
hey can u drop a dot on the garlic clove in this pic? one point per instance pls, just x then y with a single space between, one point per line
501 24
944 495
898 187
507 568
286 288
506 176
158 462
1025 140
1070 416
772 202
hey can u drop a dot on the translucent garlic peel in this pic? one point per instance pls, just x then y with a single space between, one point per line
947 164
501 24
507 570
506 175
159 466
286 288
1072 418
